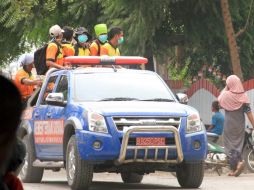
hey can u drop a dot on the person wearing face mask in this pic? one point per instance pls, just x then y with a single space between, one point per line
82 38
101 38
115 38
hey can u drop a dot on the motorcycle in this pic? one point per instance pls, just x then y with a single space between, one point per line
217 159
248 150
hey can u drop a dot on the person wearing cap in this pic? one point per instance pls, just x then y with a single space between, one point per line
24 79
115 38
54 52
68 48
101 33
82 38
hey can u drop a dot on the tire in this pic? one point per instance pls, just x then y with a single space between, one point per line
129 177
79 172
249 158
28 173
190 175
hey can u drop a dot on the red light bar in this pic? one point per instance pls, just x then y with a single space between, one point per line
105 60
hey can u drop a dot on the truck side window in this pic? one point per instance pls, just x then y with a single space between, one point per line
49 88
63 86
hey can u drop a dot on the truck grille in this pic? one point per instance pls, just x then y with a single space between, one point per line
122 122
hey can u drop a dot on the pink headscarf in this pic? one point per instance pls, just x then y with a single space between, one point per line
233 96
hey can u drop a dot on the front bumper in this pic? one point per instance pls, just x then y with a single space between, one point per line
117 147
125 147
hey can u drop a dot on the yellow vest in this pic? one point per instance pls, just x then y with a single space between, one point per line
108 49
68 49
82 51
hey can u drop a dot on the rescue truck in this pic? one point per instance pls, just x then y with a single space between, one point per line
100 116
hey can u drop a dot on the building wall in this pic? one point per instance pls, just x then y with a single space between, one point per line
202 93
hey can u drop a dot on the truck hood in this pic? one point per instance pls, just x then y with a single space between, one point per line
113 108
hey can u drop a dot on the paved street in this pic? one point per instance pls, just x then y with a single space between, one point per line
159 181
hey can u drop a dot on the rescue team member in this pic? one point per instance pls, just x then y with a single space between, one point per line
54 52
68 48
115 37
24 79
101 33
82 38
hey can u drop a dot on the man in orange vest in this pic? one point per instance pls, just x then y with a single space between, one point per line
101 32
24 79
115 37
54 52
68 48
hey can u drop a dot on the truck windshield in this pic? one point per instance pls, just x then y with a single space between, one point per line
120 87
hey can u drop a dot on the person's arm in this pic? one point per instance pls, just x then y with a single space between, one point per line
213 123
251 118
94 49
51 55
27 81
210 127
53 64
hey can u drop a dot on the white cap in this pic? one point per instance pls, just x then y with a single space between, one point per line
55 31
26 59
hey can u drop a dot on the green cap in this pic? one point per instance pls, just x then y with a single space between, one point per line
100 29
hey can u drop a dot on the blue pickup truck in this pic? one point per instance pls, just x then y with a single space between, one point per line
110 119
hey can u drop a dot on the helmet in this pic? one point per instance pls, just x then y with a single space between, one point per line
55 31
100 29
81 30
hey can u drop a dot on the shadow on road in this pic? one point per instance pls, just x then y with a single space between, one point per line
119 185
98 185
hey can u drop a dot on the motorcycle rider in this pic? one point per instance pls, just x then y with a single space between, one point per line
217 121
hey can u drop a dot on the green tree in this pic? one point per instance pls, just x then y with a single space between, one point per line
152 28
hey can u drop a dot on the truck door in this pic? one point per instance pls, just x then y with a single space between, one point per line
46 137
56 115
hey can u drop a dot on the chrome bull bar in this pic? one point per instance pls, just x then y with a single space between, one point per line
135 129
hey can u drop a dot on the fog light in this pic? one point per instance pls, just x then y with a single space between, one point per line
97 145
196 145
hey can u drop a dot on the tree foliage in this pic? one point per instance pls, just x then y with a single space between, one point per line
151 27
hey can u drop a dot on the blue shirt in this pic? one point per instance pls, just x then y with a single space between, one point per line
217 122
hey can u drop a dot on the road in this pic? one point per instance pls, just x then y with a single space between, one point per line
158 181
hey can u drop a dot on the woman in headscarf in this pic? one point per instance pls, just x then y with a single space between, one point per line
235 101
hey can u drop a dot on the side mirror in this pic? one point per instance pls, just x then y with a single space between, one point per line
55 99
182 98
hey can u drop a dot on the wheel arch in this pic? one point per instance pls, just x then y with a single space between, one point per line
71 125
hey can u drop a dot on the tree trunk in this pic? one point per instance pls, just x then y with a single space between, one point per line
149 56
234 54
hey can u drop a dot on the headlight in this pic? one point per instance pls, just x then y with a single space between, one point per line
193 123
96 123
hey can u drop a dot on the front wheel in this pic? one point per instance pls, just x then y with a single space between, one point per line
249 158
129 177
79 172
190 175
29 173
